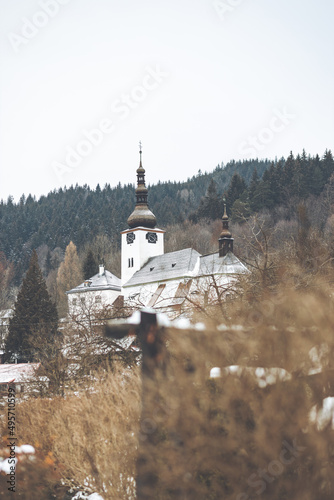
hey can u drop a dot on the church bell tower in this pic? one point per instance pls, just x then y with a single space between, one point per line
143 239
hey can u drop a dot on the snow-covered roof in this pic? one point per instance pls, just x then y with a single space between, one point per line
5 315
101 281
169 266
213 264
186 263
18 373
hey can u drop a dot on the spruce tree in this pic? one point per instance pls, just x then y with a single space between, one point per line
235 190
210 205
33 312
89 267
253 194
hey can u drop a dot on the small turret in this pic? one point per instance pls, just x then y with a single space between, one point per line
225 238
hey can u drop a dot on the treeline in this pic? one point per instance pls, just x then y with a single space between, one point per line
284 182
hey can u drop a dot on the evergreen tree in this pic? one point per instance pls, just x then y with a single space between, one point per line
235 190
316 176
48 263
328 165
253 194
210 206
287 174
90 265
33 312
265 192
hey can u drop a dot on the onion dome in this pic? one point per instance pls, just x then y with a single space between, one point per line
142 215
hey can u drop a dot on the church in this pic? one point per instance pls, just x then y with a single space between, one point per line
173 282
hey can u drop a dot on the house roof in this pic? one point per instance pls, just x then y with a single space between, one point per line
18 373
5 316
213 264
99 282
164 267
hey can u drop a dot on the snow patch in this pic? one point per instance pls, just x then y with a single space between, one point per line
324 416
182 324
5 466
26 448
263 376
215 372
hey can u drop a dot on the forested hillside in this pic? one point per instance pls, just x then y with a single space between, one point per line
79 214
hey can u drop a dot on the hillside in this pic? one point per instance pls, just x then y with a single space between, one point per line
80 213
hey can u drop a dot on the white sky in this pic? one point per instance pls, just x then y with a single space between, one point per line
258 69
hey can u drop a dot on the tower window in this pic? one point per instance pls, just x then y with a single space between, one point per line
130 262
130 238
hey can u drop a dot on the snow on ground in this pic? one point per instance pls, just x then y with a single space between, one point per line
263 376
322 417
5 465
83 496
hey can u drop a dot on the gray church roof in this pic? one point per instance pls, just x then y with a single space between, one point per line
213 264
101 281
164 267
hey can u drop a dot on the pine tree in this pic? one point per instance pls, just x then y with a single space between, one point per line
33 312
235 190
328 164
253 194
48 263
69 275
287 174
89 267
210 206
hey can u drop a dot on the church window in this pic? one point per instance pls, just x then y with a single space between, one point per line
130 262
98 299
74 302
83 300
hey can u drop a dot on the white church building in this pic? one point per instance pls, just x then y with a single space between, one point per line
172 282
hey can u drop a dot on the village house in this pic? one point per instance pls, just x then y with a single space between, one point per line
19 375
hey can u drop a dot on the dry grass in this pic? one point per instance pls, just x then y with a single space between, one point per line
200 438
227 438
88 439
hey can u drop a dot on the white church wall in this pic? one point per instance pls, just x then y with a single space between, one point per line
137 253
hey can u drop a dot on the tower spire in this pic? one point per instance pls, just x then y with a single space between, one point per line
140 153
142 215
225 238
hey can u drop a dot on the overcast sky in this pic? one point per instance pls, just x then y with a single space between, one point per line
199 82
